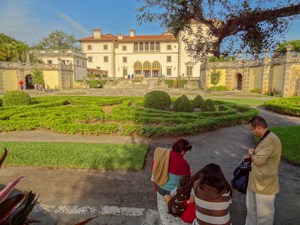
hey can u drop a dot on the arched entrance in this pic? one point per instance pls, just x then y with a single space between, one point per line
156 69
29 82
239 81
147 69
137 68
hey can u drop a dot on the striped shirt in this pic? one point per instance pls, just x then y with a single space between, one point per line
212 208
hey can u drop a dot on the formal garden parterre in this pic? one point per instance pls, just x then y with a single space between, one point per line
85 115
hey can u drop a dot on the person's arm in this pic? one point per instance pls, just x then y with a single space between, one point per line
260 157
192 199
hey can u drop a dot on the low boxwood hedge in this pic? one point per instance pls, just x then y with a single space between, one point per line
85 115
288 106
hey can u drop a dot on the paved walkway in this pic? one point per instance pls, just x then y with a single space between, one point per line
134 190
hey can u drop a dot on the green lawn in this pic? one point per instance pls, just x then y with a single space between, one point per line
76 155
243 101
290 139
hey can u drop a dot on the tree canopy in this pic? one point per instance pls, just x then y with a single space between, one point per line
37 76
295 46
57 40
255 24
12 50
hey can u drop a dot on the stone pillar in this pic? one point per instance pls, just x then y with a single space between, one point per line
229 81
60 76
265 73
245 81
287 73
1 81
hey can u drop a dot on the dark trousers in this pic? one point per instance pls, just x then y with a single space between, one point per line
162 191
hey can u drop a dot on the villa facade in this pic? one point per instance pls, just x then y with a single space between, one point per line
146 56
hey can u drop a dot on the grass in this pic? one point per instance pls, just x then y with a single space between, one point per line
290 140
243 101
76 155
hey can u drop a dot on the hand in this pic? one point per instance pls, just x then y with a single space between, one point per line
251 151
247 157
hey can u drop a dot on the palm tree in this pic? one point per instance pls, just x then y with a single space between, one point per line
20 49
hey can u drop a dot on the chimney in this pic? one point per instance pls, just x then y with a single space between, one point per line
97 33
132 33
120 36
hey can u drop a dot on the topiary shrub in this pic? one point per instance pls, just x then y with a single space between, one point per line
157 100
198 101
183 104
12 98
208 105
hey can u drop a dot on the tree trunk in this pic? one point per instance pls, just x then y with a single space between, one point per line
216 48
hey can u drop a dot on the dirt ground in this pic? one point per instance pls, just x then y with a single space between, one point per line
225 146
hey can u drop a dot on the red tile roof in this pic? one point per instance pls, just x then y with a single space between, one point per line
109 37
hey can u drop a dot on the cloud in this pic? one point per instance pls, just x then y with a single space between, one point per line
74 23
23 21
18 21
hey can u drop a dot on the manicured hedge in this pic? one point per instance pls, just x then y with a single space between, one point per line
288 106
13 98
183 104
85 115
157 100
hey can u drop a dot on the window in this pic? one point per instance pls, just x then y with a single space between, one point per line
169 47
89 47
124 59
90 59
169 71
169 58
125 72
105 47
141 46
49 61
136 46
105 58
147 46
82 63
157 46
189 71
77 62
124 48
152 46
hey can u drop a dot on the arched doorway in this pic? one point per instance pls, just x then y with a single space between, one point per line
29 82
147 69
156 69
137 68
239 81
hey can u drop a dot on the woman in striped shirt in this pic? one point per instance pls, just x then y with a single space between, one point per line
212 196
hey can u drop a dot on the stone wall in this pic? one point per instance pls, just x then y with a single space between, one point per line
266 74
56 76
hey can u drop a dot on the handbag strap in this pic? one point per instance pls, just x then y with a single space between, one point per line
263 137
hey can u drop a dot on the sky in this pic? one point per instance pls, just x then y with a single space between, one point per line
30 20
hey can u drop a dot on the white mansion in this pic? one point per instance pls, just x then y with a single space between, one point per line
148 56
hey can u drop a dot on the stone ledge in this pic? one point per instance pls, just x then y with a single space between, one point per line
164 217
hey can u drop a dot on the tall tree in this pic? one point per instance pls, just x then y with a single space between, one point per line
12 50
256 24
215 77
20 50
57 39
38 79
